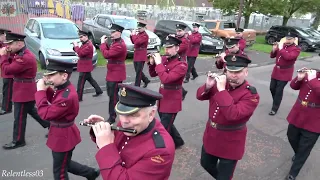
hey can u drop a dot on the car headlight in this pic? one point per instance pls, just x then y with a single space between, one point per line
53 52
206 42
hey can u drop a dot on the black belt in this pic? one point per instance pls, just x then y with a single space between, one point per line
169 86
308 104
226 127
115 62
140 49
24 80
61 124
285 67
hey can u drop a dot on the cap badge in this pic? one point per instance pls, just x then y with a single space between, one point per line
109 26
229 40
233 58
47 62
123 92
167 38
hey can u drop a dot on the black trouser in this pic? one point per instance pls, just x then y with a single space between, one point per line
167 120
276 89
7 94
191 68
62 164
112 91
83 77
302 142
222 170
138 67
21 109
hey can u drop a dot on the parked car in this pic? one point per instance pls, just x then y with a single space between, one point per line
97 27
51 39
223 29
209 43
306 40
313 32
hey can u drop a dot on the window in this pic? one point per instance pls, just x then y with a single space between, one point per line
30 24
229 25
303 33
101 21
60 30
127 23
36 28
210 25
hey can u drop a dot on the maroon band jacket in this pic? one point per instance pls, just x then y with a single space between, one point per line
171 73
116 55
305 112
85 54
149 155
24 69
183 48
140 42
242 44
285 60
194 41
60 107
229 107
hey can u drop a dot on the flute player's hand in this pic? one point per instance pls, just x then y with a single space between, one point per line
92 119
103 133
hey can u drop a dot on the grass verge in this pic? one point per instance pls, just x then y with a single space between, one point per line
261 46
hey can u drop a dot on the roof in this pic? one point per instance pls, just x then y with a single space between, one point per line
115 16
51 20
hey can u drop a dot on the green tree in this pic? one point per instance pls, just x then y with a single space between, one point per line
314 8
232 6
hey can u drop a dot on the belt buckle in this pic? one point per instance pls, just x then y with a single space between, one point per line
214 125
161 85
304 103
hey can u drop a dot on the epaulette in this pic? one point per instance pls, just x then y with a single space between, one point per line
158 140
252 89
66 93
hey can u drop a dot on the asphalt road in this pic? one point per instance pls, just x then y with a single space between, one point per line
268 153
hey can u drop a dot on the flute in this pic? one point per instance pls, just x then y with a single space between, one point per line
305 70
213 75
77 42
114 128
47 83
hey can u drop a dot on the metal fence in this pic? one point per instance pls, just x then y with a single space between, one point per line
15 13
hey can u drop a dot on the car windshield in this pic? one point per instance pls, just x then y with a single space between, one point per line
303 33
313 32
60 30
202 29
127 23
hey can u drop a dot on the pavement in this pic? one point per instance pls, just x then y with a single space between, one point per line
268 153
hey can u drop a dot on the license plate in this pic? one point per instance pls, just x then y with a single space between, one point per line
150 46
219 47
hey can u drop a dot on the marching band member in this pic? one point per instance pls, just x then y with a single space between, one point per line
304 125
24 69
231 104
171 72
116 55
140 42
283 70
148 154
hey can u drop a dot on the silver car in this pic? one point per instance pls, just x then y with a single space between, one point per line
51 39
98 26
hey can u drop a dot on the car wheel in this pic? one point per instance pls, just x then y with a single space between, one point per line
271 40
303 46
42 61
